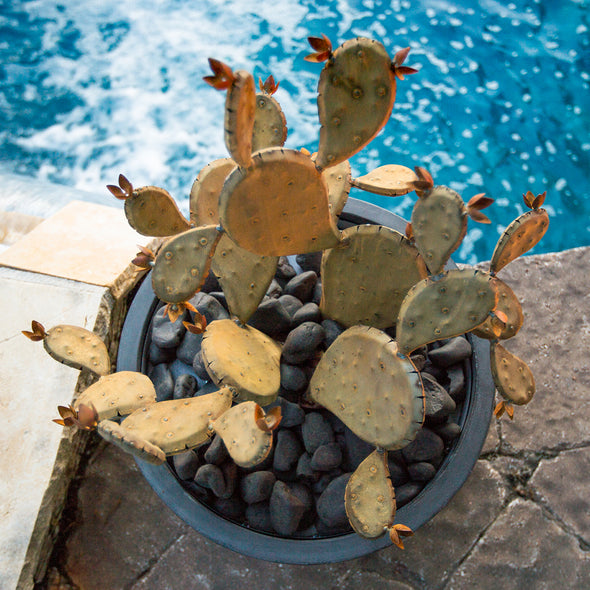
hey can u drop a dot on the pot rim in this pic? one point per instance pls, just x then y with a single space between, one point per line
451 475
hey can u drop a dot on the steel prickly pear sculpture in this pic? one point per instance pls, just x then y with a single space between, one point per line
265 201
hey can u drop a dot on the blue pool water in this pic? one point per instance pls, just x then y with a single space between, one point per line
501 104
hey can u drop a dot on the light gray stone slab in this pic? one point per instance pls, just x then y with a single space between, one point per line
125 537
195 562
524 549
31 386
120 526
364 580
431 555
563 484
492 441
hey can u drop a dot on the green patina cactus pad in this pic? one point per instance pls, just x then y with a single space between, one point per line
519 237
131 442
177 425
356 95
369 498
78 348
440 307
270 125
366 277
243 276
204 197
278 205
245 441
240 107
151 211
118 394
183 264
512 376
439 224
390 180
244 358
378 395
338 180
508 304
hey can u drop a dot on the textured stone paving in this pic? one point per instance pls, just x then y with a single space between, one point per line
521 520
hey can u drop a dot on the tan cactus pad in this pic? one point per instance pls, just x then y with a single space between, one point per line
246 443
240 106
151 211
179 424
367 276
507 304
118 394
369 498
356 95
390 180
378 395
78 348
244 358
278 205
270 125
131 442
243 276
338 180
512 376
204 198
183 264
439 222
519 237
441 307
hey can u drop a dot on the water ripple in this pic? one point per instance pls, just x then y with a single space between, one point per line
88 90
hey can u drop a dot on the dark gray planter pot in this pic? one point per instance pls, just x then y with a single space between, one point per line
474 420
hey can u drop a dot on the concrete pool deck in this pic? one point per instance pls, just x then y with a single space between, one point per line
522 518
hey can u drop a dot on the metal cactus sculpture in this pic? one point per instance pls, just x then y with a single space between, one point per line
265 201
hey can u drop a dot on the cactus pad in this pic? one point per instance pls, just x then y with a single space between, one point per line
278 205
439 223
440 307
369 498
338 180
183 263
512 376
378 395
270 125
509 305
204 198
240 106
118 394
131 442
179 424
78 348
519 237
391 180
244 358
356 95
367 276
151 211
246 443
243 276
